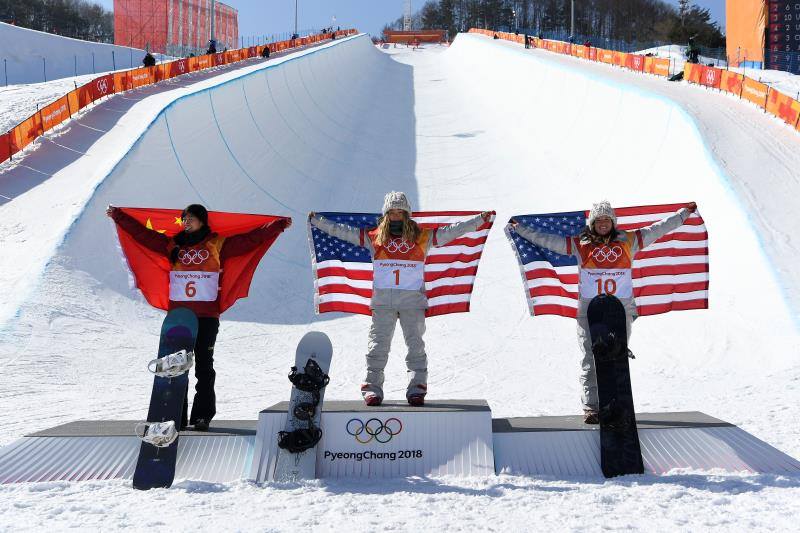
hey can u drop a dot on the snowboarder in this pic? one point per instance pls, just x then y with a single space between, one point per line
398 247
602 248
198 248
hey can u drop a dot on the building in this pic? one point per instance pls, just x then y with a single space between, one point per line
763 34
174 27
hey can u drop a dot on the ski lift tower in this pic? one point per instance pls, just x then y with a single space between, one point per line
407 16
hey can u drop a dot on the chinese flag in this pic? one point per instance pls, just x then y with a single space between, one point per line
150 270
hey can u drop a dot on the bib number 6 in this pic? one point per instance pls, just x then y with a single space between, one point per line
190 289
607 286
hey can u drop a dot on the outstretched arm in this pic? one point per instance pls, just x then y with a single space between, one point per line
148 238
554 243
246 242
353 235
446 234
653 232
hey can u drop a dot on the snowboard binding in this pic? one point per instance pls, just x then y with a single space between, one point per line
614 416
159 434
299 440
608 347
311 380
172 365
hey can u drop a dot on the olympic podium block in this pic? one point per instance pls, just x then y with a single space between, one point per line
445 437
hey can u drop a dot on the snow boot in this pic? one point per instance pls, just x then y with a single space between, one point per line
201 424
373 400
590 416
416 400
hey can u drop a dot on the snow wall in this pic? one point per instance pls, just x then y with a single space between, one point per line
31 55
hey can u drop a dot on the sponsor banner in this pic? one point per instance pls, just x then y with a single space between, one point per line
755 92
711 77
219 59
593 54
782 106
661 67
620 59
405 443
141 76
176 68
5 146
605 56
25 132
731 82
692 72
252 51
635 62
54 114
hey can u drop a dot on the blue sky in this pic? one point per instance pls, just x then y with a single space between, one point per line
265 17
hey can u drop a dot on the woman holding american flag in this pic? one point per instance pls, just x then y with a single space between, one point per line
605 259
398 247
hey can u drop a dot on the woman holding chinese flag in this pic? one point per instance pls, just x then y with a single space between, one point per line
399 247
605 260
196 258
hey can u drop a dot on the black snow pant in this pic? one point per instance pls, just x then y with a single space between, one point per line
205 400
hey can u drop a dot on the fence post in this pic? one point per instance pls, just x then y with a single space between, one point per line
44 68
76 64
94 71
5 69
113 61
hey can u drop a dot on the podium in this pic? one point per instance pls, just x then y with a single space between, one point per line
394 440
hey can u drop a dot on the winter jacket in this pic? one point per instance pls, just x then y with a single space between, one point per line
605 267
396 256
196 274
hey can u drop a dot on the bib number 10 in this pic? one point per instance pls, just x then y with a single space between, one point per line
606 286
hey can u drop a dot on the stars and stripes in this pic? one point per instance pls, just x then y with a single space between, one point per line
343 271
670 274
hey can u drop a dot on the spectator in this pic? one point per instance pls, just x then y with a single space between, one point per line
265 52
692 52
149 60
212 46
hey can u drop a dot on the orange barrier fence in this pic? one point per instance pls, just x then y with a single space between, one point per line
771 100
55 113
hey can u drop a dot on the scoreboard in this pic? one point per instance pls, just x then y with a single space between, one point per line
783 35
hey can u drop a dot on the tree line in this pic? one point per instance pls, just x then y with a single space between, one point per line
632 21
79 19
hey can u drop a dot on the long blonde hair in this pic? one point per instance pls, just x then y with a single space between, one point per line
411 229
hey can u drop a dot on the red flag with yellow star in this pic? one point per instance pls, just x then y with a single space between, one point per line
150 270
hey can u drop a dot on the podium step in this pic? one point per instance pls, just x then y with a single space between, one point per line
445 437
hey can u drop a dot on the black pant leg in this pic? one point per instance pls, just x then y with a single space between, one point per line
205 400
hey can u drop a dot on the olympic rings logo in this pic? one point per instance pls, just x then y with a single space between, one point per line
102 86
399 245
193 257
374 429
605 254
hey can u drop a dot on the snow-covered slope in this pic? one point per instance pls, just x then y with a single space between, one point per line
33 56
481 125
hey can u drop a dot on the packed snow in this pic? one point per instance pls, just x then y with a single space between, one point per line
31 56
481 125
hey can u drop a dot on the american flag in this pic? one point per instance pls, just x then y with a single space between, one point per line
343 271
669 275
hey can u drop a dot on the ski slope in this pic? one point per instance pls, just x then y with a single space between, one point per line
481 125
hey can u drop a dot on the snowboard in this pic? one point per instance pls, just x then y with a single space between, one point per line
155 466
297 457
620 452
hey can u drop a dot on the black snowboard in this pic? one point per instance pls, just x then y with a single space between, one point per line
620 453
156 466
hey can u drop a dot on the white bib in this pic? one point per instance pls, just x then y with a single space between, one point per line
397 274
612 281
193 286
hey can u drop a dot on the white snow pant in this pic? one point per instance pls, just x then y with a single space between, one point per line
412 322
588 377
